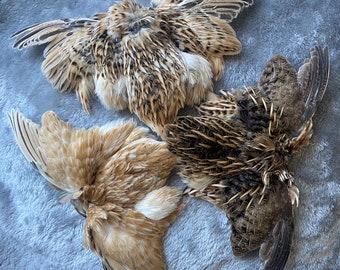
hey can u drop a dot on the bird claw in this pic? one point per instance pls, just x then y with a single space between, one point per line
293 193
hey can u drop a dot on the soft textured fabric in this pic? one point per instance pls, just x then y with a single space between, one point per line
38 232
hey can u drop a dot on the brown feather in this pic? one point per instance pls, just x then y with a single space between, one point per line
235 155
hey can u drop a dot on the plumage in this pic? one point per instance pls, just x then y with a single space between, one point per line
235 154
111 175
151 60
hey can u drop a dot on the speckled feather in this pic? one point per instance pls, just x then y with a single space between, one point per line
111 176
152 60
235 155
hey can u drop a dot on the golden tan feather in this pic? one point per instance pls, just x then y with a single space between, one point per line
112 176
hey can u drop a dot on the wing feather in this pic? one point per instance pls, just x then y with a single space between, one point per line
69 63
224 9
66 157
200 33
45 32
313 77
278 246
26 134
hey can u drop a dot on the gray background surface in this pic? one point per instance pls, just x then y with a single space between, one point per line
37 232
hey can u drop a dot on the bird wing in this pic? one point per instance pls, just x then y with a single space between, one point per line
299 91
224 9
26 134
67 157
208 147
313 77
283 95
133 171
196 32
227 10
259 218
69 63
294 95
64 156
46 32
279 81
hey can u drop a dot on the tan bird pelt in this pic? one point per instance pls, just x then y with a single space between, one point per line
151 60
115 176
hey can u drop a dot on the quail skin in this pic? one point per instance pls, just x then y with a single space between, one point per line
235 154
150 60
112 176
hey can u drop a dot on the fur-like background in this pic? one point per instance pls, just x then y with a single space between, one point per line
37 232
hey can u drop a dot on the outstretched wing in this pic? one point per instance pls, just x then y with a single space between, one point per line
64 156
69 63
42 33
26 134
224 9
67 157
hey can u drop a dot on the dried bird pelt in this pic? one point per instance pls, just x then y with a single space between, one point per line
115 176
236 153
151 60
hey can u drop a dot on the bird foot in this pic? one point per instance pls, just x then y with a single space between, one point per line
293 192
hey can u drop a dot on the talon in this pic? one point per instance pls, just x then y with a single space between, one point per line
293 192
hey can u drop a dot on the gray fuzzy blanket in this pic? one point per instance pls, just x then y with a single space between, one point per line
37 232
